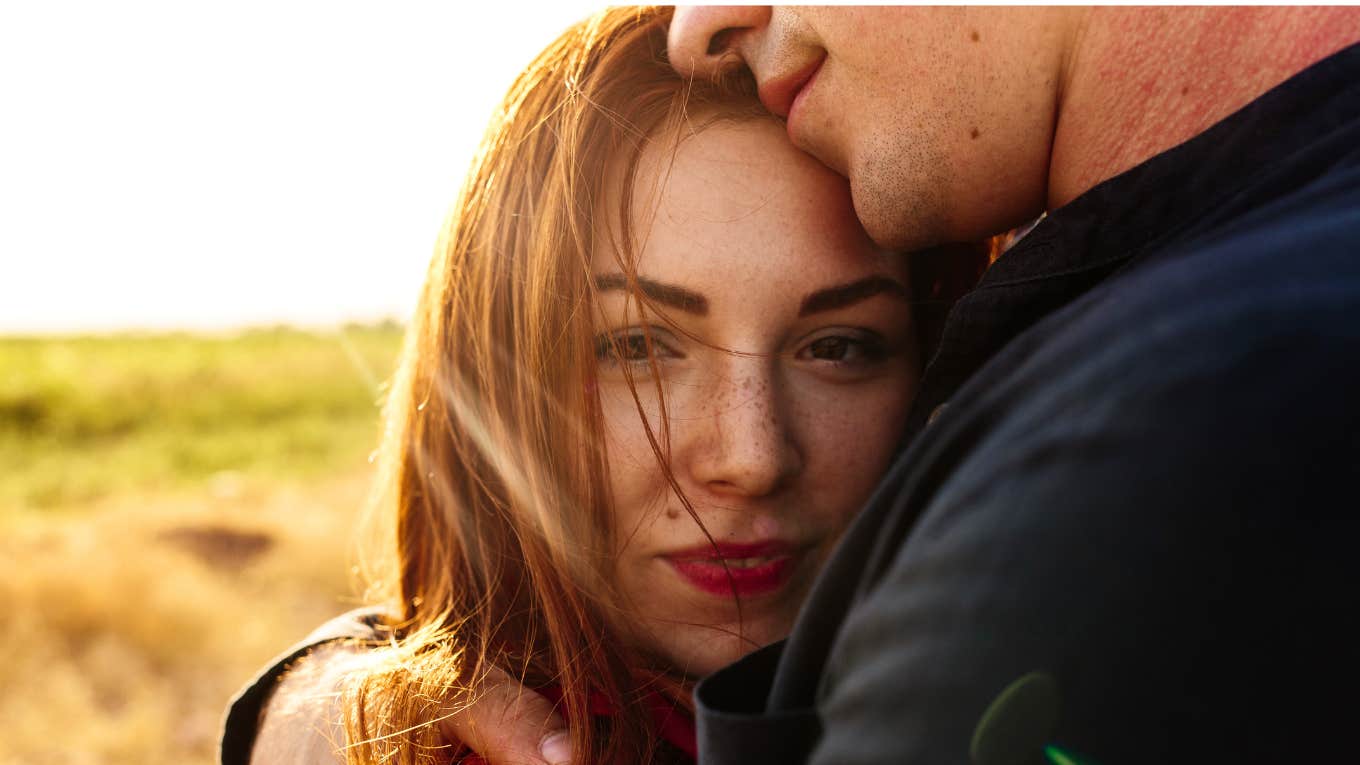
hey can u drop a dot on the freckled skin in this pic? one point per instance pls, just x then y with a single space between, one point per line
768 441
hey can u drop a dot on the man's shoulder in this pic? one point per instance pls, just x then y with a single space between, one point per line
1248 327
1284 269
1139 497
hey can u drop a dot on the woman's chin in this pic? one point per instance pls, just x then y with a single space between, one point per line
700 650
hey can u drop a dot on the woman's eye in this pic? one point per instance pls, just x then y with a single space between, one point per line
628 347
845 349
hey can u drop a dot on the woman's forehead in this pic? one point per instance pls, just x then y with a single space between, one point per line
737 201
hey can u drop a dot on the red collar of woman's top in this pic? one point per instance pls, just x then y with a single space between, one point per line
673 724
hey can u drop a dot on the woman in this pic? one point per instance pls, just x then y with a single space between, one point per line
656 368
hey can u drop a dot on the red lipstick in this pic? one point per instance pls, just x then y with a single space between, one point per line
728 569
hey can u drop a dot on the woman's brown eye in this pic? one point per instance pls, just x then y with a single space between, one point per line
847 349
633 347
626 347
830 348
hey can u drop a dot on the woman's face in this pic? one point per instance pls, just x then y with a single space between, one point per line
783 345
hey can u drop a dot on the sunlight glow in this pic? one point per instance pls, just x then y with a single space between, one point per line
213 165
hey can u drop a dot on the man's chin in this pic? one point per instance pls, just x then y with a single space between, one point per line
900 226
894 232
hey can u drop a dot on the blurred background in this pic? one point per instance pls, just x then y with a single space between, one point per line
214 218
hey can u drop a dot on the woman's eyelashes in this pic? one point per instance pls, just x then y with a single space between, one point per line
846 348
840 348
631 346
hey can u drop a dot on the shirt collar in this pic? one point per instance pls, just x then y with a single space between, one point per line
1288 135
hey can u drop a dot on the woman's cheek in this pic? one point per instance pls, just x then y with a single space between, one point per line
636 482
856 432
623 431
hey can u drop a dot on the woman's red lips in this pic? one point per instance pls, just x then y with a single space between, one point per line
736 569
779 93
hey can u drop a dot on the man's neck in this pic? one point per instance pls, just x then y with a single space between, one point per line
1139 81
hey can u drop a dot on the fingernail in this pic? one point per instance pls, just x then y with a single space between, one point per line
556 748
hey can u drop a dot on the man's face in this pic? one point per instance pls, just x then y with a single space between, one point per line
941 118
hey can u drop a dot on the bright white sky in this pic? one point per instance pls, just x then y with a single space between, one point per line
220 164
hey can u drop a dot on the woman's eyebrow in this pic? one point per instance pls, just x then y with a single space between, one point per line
849 294
666 294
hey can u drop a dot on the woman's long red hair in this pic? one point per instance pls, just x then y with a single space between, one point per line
493 471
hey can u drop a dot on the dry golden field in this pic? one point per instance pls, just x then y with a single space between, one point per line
174 510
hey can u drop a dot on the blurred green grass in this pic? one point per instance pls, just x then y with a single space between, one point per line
86 417
175 509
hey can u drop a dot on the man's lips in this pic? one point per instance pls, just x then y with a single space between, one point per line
728 569
779 93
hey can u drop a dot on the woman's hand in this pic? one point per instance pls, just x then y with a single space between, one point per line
506 723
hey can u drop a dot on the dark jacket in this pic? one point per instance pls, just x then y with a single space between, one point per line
1129 534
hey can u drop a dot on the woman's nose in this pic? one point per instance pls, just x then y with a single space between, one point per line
740 441
701 40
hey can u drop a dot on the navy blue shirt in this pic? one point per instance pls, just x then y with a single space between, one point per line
1132 532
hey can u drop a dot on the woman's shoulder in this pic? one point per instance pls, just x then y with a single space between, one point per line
300 682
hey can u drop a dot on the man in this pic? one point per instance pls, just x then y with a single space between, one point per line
1122 531
1125 536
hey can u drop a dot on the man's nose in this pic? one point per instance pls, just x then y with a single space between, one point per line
744 444
702 38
